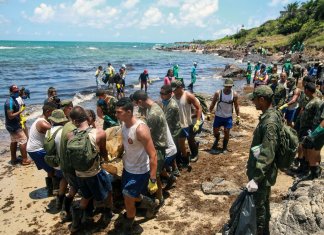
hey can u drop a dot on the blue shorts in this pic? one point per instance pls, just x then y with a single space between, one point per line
38 158
225 122
184 132
134 185
290 115
97 186
169 160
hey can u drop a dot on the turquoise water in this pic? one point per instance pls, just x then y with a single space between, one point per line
70 68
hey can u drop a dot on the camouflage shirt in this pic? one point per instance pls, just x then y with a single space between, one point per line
319 116
307 116
279 94
171 111
262 168
158 126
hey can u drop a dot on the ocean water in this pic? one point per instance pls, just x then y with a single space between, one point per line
70 68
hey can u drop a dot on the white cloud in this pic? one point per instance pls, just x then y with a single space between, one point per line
226 31
172 19
42 14
3 1
196 12
152 16
129 3
168 3
3 20
274 3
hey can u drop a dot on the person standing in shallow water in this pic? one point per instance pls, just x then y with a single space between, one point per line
193 76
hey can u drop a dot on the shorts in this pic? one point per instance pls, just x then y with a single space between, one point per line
160 161
225 122
169 160
134 185
72 180
290 114
144 83
184 132
38 158
319 143
18 136
97 186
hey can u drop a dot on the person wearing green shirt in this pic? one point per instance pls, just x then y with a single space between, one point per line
261 168
287 67
193 76
248 73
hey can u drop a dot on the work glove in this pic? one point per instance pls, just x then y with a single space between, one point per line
149 81
22 108
152 187
238 120
283 106
196 126
252 186
23 120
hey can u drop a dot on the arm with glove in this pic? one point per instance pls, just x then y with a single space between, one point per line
194 101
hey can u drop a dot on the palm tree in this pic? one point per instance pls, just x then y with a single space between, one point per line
291 9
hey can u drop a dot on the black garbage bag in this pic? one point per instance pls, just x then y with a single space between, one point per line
242 216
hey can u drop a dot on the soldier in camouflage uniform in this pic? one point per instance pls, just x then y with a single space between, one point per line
306 125
279 91
106 109
261 168
171 111
157 123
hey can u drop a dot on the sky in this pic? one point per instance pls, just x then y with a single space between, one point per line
132 20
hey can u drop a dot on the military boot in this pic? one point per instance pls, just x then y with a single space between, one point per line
59 201
76 219
49 186
66 209
127 226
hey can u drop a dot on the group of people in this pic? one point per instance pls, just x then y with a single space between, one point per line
155 143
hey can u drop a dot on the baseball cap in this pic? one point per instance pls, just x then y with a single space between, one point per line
274 77
261 91
228 82
176 84
27 92
65 103
14 88
291 79
58 116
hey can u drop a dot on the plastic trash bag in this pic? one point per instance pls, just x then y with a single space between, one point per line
242 216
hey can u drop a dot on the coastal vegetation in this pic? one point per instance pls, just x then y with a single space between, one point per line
298 23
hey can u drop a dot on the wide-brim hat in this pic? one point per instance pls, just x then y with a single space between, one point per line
176 84
58 116
229 82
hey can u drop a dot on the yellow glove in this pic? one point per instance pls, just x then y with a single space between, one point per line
22 108
283 106
152 187
149 81
23 120
196 126
238 120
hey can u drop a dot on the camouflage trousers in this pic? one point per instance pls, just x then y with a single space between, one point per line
261 199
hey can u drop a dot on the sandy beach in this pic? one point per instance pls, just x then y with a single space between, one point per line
187 210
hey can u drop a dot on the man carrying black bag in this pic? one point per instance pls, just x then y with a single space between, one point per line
261 168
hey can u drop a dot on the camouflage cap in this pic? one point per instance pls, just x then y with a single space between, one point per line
274 77
291 79
65 103
58 116
176 84
261 91
228 82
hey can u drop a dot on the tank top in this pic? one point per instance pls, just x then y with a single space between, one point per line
36 139
135 159
184 111
225 105
290 96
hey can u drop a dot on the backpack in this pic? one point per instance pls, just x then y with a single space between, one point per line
203 103
288 145
51 157
80 151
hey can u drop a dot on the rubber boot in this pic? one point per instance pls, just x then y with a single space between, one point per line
301 167
76 219
59 201
56 185
49 186
316 171
88 213
66 209
225 143
127 226
150 206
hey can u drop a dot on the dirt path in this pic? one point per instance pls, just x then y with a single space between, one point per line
187 210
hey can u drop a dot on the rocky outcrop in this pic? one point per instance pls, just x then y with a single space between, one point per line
303 211
232 70
220 186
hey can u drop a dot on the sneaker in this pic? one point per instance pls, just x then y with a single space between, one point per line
216 151
194 159
171 180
